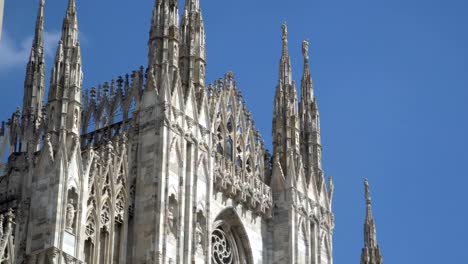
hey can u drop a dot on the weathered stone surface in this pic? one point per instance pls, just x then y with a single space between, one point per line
156 167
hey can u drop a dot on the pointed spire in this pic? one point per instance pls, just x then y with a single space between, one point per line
285 62
70 26
192 61
285 130
39 32
311 147
307 93
284 37
163 44
370 236
34 83
35 67
66 79
371 252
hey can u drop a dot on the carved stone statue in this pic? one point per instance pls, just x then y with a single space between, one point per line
367 191
199 236
75 119
70 216
202 74
170 218
285 30
305 49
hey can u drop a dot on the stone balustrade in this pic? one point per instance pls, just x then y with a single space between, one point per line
242 186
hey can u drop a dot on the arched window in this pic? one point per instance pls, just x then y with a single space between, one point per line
219 135
104 234
229 240
117 242
229 125
103 245
89 251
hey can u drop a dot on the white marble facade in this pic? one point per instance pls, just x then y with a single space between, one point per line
158 166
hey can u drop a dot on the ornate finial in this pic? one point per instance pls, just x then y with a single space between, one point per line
230 75
366 185
305 49
42 2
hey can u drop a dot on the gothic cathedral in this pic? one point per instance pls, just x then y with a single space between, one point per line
158 166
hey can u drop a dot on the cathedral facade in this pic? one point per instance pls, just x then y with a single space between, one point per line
158 166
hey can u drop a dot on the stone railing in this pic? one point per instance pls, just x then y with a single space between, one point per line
104 134
242 186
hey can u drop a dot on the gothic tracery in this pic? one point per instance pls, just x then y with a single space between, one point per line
170 171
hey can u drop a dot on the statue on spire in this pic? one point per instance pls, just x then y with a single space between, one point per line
368 197
305 49
285 31
371 253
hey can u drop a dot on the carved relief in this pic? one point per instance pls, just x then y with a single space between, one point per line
171 225
199 236
90 229
76 118
200 230
120 207
70 216
6 236
105 214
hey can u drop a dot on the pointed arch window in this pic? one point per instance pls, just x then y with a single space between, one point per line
239 161
89 251
90 232
248 165
229 125
103 245
118 227
229 105
117 242
239 128
219 146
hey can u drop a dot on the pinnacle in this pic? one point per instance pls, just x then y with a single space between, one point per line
284 37
367 188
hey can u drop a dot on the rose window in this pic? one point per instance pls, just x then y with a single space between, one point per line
222 248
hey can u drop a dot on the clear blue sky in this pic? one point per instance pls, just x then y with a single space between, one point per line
391 78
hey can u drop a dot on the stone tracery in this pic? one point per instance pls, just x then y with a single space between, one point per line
155 108
222 248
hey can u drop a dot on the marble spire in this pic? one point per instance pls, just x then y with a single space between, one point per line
371 252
